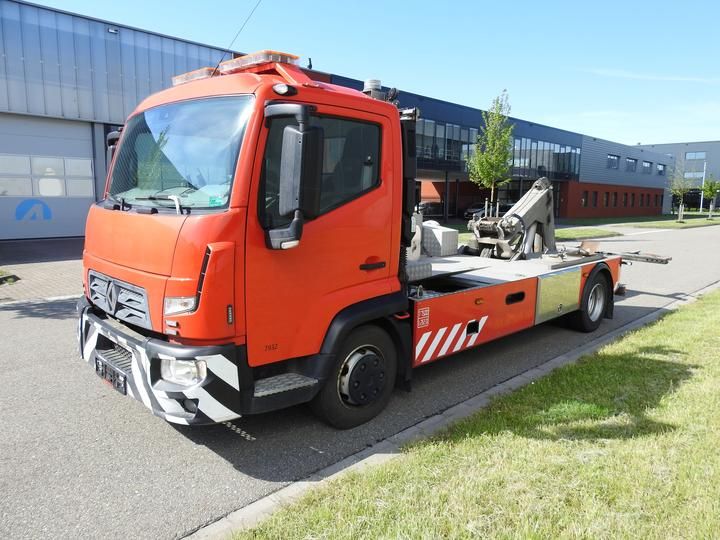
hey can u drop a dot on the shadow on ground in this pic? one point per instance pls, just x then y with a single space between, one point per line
56 309
292 444
43 250
607 398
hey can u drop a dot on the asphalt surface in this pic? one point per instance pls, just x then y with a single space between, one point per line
78 460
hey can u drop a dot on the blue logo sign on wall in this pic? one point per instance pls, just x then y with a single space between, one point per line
32 210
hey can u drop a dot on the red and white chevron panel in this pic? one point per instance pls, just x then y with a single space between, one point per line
435 344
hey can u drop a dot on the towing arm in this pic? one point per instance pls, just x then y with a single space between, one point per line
527 230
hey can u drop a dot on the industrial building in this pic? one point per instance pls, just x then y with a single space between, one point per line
67 80
696 161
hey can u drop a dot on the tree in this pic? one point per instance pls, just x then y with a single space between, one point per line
710 192
679 187
489 166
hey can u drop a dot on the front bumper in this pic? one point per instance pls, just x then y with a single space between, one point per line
137 358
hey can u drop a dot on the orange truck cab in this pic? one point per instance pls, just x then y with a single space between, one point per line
250 254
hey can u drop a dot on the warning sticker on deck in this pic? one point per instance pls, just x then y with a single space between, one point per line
423 317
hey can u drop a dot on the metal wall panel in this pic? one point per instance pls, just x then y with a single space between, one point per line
128 75
50 62
64 65
14 65
83 70
4 104
67 66
32 60
678 150
593 164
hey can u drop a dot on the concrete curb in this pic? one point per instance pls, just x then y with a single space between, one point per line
384 451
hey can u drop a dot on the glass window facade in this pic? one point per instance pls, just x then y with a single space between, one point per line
613 161
630 164
533 159
446 146
694 155
661 169
647 167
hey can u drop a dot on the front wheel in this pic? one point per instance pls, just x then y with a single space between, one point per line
593 305
362 381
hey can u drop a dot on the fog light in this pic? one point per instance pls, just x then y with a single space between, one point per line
183 372
190 406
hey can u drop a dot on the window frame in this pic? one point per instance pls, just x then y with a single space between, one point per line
612 162
261 210
628 162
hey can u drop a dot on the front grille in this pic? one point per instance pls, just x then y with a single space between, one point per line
119 299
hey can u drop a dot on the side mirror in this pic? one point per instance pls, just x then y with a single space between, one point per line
300 174
300 171
111 141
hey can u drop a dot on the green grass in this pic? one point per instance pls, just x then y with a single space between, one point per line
692 219
687 223
7 281
623 444
582 233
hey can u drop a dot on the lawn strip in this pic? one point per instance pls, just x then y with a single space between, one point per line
621 444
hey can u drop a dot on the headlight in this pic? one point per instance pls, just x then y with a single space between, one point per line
183 372
179 304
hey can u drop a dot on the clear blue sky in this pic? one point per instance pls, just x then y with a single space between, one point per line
631 71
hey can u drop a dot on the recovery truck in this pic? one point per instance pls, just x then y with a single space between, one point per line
257 248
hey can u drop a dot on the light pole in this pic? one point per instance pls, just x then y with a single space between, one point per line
702 189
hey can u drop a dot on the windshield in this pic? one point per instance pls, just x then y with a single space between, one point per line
187 150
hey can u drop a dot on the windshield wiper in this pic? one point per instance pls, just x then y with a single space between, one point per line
174 198
117 204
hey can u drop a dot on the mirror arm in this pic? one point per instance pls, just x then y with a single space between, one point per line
288 237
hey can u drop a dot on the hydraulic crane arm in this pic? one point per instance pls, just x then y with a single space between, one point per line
527 230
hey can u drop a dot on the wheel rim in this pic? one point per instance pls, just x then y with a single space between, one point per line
362 376
596 302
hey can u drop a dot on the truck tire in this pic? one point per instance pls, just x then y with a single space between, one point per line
362 380
593 304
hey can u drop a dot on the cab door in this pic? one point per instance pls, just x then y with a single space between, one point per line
345 254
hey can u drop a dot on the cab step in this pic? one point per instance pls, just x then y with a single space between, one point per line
282 383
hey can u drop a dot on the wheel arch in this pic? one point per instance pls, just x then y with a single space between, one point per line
380 311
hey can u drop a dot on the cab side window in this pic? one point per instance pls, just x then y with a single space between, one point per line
351 164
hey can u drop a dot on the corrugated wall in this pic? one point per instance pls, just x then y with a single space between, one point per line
593 165
61 65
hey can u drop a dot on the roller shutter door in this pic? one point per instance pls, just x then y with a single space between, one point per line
46 177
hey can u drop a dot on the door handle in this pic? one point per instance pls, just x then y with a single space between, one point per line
372 266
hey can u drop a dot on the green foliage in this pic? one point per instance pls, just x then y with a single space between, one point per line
489 166
679 185
711 188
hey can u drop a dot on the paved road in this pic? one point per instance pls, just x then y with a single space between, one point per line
79 460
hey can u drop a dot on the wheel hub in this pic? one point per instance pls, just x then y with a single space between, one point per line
362 379
596 302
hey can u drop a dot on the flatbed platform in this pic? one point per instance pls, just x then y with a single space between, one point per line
491 271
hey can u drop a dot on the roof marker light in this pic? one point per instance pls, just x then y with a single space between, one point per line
202 73
257 58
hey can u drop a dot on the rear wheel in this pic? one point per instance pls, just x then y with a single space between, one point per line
362 381
593 304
